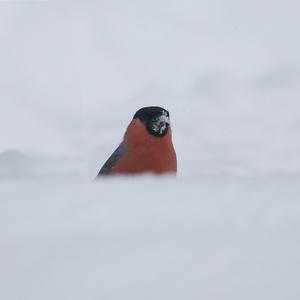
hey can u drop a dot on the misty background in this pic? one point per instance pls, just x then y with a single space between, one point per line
72 76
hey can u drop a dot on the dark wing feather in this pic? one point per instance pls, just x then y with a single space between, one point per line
114 158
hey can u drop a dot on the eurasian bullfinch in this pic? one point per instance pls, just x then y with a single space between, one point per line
146 147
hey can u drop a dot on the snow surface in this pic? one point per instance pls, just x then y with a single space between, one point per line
71 78
202 238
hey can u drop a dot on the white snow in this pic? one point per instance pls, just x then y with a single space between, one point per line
157 124
209 237
71 78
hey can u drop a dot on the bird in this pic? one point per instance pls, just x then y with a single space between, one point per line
146 147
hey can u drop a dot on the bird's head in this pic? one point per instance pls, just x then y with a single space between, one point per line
156 120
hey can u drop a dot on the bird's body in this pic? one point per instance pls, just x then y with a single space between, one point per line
147 146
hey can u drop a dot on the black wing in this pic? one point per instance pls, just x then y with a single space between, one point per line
114 158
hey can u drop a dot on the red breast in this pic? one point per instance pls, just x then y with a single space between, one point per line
146 153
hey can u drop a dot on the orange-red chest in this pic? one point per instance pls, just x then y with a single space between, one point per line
146 153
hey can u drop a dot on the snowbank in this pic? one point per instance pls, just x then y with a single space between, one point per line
147 238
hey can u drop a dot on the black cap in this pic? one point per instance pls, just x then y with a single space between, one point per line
151 117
